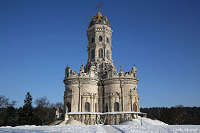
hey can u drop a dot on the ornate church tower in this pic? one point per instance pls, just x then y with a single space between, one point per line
98 87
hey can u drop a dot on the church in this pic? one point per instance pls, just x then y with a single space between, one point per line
98 87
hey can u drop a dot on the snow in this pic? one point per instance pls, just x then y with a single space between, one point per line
159 128
74 122
104 129
132 126
54 129
145 121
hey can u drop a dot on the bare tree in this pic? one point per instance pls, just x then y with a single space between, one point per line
42 102
4 102
44 111
59 105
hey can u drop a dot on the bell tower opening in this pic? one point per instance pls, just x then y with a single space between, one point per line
100 38
100 53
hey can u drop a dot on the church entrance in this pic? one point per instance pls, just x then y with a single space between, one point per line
116 106
87 107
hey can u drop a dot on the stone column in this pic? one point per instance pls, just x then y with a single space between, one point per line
120 103
72 100
109 100
91 107
93 97
83 106
112 104
79 96
122 95
81 103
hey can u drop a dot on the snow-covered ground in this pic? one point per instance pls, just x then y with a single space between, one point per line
103 129
133 126
143 121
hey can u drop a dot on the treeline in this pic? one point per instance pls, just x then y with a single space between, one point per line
43 113
178 115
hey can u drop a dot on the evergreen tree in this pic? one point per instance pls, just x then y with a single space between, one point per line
26 114
28 101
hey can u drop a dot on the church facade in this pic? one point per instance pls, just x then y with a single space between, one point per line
98 87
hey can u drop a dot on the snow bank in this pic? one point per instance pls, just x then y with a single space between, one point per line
132 126
74 122
54 129
145 121
132 122
159 128
152 122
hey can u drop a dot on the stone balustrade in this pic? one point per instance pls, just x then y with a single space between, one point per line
108 118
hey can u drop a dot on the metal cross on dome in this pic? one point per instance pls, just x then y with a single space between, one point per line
99 5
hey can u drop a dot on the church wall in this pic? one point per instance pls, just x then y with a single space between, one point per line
130 96
112 94
89 93
101 98
127 98
72 96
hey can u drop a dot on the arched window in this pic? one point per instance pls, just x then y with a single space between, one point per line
93 40
106 108
108 40
87 107
116 106
100 38
108 54
69 107
100 53
135 107
93 54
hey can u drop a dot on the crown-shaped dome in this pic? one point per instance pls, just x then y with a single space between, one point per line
99 19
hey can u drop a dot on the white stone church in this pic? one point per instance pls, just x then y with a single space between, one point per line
98 87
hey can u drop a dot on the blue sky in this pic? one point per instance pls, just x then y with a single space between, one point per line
38 38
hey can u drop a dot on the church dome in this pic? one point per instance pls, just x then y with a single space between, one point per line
99 19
